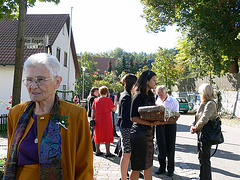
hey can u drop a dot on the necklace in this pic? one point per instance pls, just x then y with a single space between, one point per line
35 131
36 140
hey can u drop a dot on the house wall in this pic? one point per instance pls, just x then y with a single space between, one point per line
62 43
6 81
7 74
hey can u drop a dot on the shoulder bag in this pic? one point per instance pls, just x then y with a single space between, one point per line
212 134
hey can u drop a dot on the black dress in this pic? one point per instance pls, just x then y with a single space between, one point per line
141 136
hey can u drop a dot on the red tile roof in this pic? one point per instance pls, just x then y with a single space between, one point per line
38 25
103 63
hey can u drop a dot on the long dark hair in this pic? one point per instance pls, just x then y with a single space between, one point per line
128 81
141 84
91 93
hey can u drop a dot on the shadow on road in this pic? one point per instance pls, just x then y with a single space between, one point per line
215 170
183 128
186 148
220 153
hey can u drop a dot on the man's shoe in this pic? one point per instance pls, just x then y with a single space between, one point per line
170 174
160 171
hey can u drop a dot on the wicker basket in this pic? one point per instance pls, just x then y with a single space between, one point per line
158 113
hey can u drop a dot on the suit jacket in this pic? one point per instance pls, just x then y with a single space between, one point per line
77 156
207 111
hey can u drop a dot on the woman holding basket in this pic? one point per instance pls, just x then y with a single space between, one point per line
141 137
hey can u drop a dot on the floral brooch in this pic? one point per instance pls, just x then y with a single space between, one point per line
63 121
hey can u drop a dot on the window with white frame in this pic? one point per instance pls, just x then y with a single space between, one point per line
58 53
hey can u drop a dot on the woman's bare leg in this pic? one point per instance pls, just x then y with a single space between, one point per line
97 148
107 148
148 174
124 165
134 175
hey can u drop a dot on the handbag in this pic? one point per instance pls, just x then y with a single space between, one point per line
211 132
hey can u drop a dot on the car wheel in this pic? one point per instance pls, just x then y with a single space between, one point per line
185 112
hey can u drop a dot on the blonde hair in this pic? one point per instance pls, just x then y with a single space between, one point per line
206 91
103 90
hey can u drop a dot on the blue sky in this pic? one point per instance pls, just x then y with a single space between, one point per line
101 26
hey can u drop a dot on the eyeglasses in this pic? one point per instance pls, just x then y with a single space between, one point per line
38 80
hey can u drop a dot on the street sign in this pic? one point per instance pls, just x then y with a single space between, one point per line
35 40
32 46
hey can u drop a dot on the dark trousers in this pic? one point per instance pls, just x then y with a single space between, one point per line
166 138
204 153
113 122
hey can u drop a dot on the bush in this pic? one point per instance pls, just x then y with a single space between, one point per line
2 166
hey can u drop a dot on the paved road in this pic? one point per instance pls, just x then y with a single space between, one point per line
225 163
108 168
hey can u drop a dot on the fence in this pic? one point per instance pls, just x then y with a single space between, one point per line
3 123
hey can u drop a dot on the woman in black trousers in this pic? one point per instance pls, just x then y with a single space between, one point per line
207 111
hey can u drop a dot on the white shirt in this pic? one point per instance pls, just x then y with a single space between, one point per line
170 103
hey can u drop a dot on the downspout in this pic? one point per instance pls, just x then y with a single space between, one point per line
69 46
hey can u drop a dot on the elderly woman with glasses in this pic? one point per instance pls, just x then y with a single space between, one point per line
47 138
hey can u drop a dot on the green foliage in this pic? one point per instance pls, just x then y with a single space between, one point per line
196 62
211 26
90 75
144 68
2 166
109 69
165 68
117 53
109 79
11 7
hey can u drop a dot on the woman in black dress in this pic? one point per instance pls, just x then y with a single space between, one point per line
142 131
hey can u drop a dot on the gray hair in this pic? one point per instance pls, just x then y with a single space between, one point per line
162 88
51 63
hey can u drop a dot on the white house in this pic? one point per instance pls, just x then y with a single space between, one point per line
56 27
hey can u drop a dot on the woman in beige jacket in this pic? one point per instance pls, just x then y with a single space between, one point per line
207 111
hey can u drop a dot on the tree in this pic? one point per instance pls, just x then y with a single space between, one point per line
212 26
111 80
109 69
19 57
118 53
196 63
91 74
11 8
164 67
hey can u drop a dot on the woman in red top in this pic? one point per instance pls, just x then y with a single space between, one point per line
102 107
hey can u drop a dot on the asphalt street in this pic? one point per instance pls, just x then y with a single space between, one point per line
225 163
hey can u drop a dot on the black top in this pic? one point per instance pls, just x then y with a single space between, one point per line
124 110
138 100
90 102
